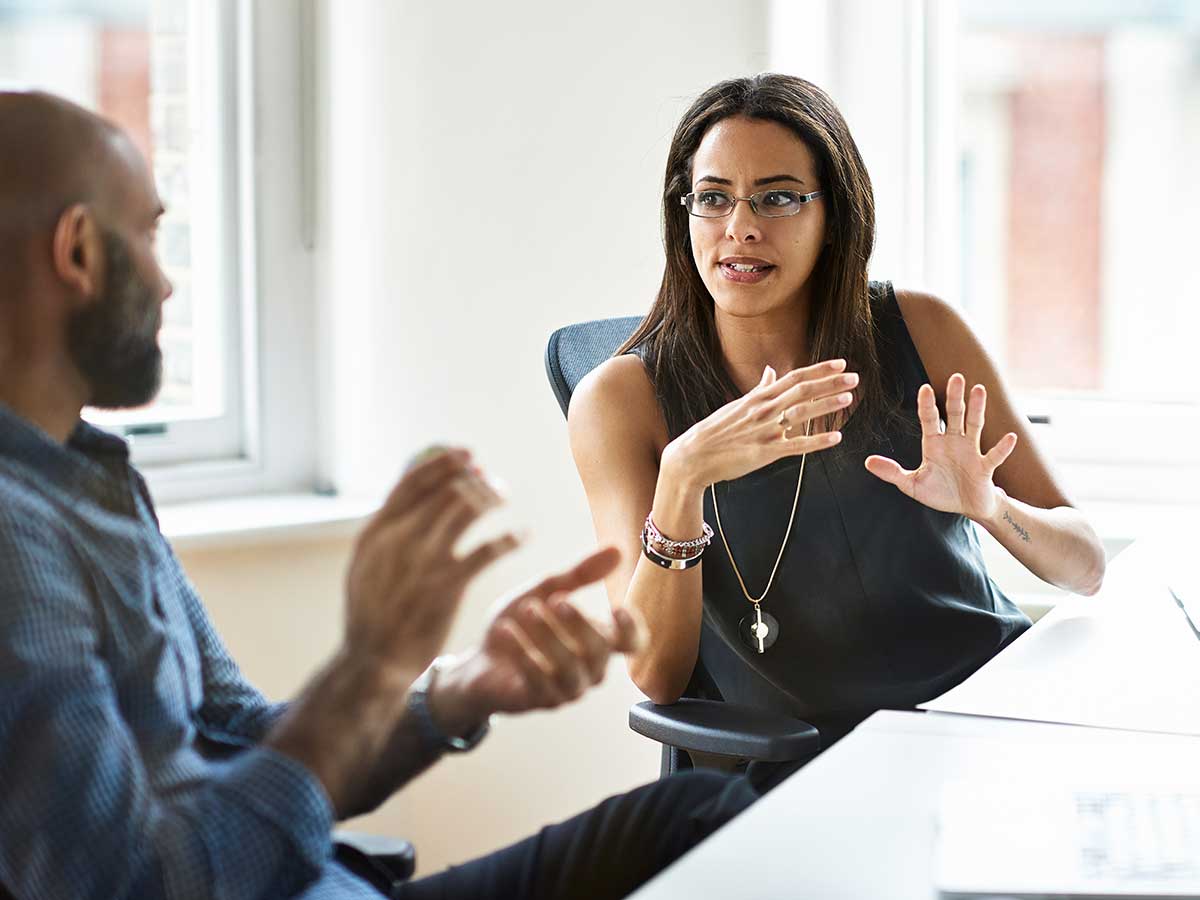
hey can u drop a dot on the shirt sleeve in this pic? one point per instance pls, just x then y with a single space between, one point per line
79 816
232 706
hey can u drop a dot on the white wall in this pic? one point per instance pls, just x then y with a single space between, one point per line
463 151
464 144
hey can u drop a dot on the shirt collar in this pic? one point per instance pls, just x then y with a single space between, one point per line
87 461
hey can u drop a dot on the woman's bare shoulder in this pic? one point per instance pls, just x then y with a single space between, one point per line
925 311
943 338
618 397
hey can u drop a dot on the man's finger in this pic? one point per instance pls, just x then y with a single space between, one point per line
594 645
459 505
590 569
486 554
630 633
566 664
424 477
514 644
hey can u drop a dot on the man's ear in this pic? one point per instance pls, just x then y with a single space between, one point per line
78 252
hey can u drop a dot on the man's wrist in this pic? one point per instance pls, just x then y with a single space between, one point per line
453 703
374 675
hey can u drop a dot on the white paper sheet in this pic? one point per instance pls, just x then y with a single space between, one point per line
1126 658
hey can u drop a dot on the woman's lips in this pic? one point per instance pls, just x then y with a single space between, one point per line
745 273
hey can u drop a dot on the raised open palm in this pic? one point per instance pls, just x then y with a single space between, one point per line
955 475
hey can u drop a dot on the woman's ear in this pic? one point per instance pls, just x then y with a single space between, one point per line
77 252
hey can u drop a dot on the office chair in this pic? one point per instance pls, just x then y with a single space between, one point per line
384 862
700 721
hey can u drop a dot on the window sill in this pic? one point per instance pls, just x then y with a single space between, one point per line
278 518
262 519
1119 524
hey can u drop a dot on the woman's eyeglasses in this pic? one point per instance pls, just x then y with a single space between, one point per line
772 204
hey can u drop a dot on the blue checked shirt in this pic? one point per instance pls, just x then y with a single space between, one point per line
129 757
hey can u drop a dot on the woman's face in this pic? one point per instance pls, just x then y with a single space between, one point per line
753 264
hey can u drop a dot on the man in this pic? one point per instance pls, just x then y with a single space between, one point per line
135 760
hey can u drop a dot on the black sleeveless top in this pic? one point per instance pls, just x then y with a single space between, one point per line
881 601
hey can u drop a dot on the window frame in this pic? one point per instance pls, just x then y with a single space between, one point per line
264 97
159 441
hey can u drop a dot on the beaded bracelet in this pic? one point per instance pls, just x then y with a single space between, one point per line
659 539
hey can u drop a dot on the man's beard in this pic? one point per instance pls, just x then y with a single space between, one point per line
114 342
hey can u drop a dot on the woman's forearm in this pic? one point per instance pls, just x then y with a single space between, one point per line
1058 545
669 601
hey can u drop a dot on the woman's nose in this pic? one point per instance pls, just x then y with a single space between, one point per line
742 224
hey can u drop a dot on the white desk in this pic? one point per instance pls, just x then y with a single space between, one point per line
858 822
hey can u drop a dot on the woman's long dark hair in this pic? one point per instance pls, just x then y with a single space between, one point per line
678 339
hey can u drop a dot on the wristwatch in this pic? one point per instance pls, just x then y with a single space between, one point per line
434 739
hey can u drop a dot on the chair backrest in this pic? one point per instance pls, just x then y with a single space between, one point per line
575 350
571 353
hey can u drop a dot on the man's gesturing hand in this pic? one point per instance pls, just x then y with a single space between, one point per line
539 651
406 582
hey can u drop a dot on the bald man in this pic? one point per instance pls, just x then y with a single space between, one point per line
135 759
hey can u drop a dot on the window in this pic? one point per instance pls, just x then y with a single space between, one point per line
1034 163
155 69
1078 130
216 94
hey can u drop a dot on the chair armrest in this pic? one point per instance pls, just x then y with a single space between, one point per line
383 861
711 726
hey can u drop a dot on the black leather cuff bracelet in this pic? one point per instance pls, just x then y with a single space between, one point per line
668 562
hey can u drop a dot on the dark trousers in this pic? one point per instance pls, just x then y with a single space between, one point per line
606 852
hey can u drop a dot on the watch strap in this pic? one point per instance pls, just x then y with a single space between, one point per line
432 737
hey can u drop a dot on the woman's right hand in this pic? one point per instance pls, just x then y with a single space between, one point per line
749 432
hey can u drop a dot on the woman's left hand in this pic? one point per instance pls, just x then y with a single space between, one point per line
954 475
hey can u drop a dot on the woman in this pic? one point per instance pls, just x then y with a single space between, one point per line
844 575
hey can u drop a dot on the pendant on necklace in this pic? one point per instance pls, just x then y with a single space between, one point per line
759 631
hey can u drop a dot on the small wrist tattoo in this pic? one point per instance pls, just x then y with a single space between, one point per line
1017 528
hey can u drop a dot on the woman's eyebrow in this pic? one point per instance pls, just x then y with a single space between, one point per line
758 182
